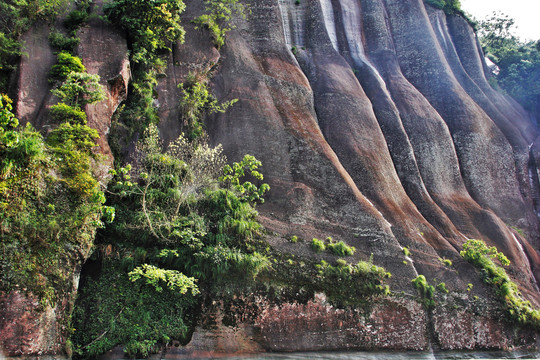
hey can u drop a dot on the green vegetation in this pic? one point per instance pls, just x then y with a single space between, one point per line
183 220
196 100
15 18
355 281
406 251
427 291
482 256
51 206
318 245
518 62
113 310
219 17
151 25
446 262
340 248
448 6
441 287
294 239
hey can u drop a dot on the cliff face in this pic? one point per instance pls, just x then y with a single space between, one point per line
375 123
376 118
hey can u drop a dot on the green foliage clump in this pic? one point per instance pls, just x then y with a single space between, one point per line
171 279
183 222
427 291
218 18
406 251
482 256
151 25
114 310
294 239
196 100
518 62
62 112
318 245
355 280
446 262
65 64
441 287
79 89
51 204
340 248
449 6
63 43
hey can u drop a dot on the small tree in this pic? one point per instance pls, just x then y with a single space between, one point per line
150 24
79 89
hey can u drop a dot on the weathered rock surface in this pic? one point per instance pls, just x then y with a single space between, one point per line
376 125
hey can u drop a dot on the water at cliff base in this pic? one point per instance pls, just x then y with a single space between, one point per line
388 355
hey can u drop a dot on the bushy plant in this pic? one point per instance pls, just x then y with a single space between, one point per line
358 280
406 251
62 112
63 43
482 256
218 18
150 24
341 249
318 245
65 64
79 89
49 214
427 291
441 287
180 228
196 100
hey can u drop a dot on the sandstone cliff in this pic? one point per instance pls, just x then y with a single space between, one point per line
375 124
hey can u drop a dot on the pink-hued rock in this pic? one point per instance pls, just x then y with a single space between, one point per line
104 51
33 88
28 329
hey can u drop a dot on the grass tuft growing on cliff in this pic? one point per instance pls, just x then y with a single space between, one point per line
482 256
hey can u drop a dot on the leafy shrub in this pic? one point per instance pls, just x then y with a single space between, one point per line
355 281
75 19
341 249
196 100
427 291
79 89
65 64
64 113
441 287
73 137
318 245
294 239
446 262
63 43
150 25
480 255
218 18
406 251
